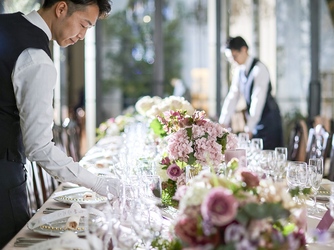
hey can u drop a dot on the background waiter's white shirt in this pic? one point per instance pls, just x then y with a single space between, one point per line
34 78
259 94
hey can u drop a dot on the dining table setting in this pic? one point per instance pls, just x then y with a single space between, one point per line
174 191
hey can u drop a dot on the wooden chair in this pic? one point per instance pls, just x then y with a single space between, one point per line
318 143
40 185
73 138
297 142
59 137
34 187
331 163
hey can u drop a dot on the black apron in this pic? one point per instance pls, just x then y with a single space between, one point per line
269 128
13 200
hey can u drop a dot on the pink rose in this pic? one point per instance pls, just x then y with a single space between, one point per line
187 230
251 179
174 171
219 206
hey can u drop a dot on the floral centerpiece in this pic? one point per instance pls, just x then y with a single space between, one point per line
152 107
237 212
192 140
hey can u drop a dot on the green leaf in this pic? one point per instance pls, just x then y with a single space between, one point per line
157 128
288 229
265 210
242 217
191 159
223 141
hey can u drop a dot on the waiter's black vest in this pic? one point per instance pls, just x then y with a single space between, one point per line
270 104
16 35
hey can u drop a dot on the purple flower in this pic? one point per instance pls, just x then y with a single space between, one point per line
165 161
219 206
174 171
188 231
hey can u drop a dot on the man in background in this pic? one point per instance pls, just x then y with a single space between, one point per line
251 80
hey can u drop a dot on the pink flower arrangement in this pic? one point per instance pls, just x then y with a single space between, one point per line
238 212
191 140
195 140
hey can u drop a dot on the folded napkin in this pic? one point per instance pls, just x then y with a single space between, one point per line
89 196
73 221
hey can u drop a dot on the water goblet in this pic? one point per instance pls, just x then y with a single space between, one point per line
315 177
281 154
257 143
243 140
297 177
152 189
267 160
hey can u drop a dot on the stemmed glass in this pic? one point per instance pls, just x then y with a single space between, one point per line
254 154
146 222
281 154
297 176
315 177
243 140
267 162
152 189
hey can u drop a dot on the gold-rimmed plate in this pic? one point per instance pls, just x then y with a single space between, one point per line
58 227
80 198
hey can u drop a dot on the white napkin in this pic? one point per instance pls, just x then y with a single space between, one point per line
73 221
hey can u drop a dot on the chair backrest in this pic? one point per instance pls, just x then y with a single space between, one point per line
331 163
73 138
318 143
59 137
40 185
297 142
34 187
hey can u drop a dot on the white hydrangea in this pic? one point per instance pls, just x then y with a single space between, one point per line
153 106
194 196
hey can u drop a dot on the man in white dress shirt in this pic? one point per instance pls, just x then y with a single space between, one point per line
251 80
27 80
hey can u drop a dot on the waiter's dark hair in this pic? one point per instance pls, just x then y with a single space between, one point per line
236 43
76 5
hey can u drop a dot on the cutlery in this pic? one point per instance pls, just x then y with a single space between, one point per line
26 242
49 210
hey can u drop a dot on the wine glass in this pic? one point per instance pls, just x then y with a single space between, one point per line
243 140
153 189
147 222
97 226
315 177
297 176
257 143
281 154
267 162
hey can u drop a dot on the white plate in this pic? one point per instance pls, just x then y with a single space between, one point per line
78 197
57 228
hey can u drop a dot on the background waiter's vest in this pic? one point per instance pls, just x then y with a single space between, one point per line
12 44
270 104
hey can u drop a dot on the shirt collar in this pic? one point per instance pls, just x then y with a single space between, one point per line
248 63
38 21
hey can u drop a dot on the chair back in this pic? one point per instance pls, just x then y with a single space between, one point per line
318 143
297 142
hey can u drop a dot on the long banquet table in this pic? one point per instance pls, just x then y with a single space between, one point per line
312 222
